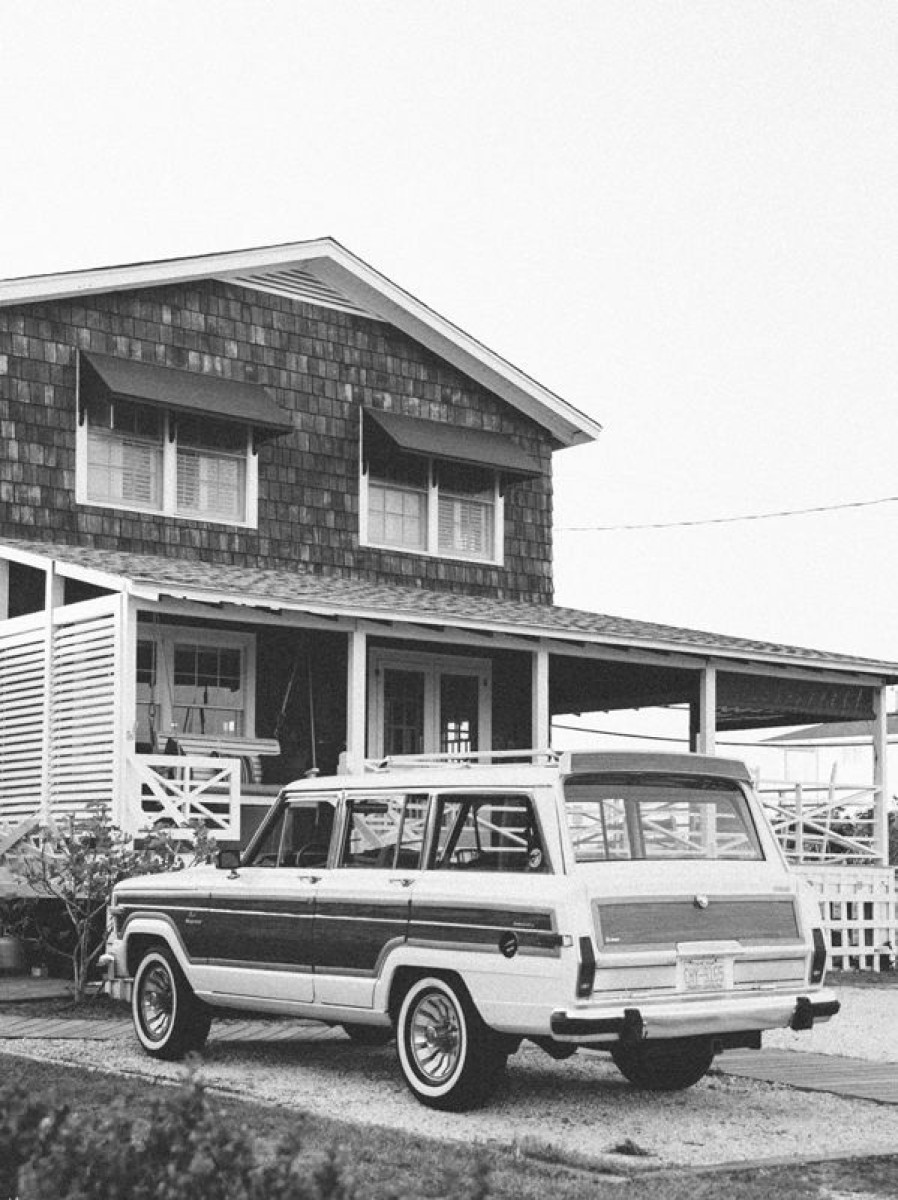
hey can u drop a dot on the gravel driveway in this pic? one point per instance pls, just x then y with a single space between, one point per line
581 1105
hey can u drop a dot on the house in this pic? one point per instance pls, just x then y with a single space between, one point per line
264 513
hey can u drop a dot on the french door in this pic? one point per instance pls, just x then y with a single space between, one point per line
428 704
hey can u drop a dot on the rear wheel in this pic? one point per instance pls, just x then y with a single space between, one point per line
368 1035
665 1066
449 1058
168 1019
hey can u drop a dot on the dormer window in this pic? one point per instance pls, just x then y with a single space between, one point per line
170 442
436 489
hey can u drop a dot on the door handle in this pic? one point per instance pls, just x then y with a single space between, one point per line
309 878
402 882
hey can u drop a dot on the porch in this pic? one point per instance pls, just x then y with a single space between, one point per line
179 693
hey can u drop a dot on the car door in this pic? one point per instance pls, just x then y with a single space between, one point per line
364 902
257 934
487 901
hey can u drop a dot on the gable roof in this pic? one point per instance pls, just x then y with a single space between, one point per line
153 577
324 272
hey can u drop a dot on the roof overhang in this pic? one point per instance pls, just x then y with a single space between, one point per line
516 623
457 444
104 378
324 272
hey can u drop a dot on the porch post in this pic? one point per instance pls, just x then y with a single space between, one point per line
881 776
541 718
124 805
4 589
356 693
53 595
707 711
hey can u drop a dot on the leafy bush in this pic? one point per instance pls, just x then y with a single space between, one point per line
180 1149
77 864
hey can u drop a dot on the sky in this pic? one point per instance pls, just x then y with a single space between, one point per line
679 215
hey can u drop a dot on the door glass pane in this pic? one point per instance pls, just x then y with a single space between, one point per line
148 721
384 832
403 712
459 710
488 833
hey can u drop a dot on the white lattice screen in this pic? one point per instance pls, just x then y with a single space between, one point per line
82 714
22 674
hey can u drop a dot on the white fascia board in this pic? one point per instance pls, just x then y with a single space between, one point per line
674 654
70 570
366 287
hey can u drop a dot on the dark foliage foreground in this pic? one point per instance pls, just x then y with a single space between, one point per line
179 1148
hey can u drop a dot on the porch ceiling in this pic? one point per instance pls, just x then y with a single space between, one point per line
155 578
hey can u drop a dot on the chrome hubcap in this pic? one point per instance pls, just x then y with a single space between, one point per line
435 1041
157 1002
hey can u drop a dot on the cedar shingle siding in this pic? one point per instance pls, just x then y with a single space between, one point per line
322 366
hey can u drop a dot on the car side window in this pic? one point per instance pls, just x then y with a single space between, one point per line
299 837
384 832
488 833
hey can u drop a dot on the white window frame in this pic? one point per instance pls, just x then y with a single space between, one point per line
433 667
169 507
432 548
165 637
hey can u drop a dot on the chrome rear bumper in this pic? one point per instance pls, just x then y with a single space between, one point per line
676 1018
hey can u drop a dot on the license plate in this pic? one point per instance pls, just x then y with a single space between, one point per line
703 974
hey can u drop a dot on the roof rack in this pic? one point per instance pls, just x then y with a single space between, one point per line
534 757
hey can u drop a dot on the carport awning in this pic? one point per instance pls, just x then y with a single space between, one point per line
455 443
104 378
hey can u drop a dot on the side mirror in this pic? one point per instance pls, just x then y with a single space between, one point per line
227 860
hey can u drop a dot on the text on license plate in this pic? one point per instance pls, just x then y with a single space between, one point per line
703 974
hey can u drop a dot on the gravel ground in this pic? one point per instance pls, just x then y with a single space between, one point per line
582 1105
867 1027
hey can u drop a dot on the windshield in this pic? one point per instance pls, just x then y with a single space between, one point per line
641 816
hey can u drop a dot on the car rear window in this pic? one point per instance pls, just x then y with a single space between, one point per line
642 816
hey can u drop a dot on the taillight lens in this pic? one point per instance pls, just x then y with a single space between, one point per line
818 961
586 971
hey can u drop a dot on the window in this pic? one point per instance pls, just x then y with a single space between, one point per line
427 704
193 681
140 457
488 833
658 817
384 832
124 455
426 506
297 835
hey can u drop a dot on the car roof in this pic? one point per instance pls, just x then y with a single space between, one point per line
413 776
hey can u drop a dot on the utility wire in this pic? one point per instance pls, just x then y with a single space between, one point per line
649 737
793 512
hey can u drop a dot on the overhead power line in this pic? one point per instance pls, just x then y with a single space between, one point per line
767 516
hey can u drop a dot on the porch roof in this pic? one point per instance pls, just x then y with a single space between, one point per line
156 578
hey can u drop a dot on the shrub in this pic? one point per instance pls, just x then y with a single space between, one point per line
77 864
180 1149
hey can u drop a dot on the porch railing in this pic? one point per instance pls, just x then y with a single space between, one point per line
180 791
822 822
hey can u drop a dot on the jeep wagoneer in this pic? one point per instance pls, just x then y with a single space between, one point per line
636 904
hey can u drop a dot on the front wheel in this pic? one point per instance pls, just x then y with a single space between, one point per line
168 1019
449 1058
665 1066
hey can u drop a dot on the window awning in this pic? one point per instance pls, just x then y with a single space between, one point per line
104 378
455 443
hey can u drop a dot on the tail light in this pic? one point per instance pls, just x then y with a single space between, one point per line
586 971
818 961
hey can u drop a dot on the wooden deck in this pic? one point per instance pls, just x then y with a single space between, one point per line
857 1078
